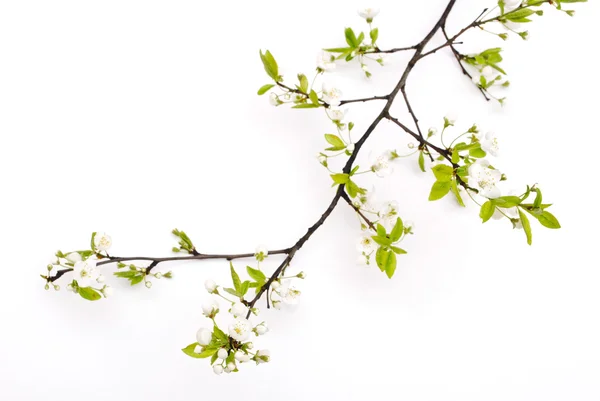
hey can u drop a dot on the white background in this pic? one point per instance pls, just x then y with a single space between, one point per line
135 117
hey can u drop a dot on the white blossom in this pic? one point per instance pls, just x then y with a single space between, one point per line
261 329
263 356
366 244
210 309
227 370
322 159
222 353
204 336
450 118
289 294
197 349
108 291
102 242
274 99
238 309
277 304
275 285
218 369
389 214
240 329
368 13
85 272
510 5
74 257
409 227
382 166
231 366
332 95
484 178
325 61
336 113
489 143
488 71
261 253
241 356
210 286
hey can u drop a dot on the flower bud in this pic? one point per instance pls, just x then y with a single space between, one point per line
107 291
222 353
241 356
261 329
238 309
210 310
148 284
204 336
218 369
263 356
231 366
210 286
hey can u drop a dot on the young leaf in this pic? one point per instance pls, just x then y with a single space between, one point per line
439 190
336 141
89 293
264 89
270 65
189 350
314 98
237 283
487 210
548 220
443 172
92 244
340 178
526 226
397 231
456 192
255 274
351 38
422 161
374 34
303 83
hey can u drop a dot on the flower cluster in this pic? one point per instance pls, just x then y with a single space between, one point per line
229 347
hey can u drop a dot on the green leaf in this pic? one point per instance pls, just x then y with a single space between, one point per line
487 210
264 89
127 273
443 172
352 188
374 34
232 292
305 106
189 350
456 192
338 49
136 280
477 153
351 38
340 178
314 98
386 261
519 14
508 201
336 141
237 283
270 65
219 336
548 220
92 244
303 83
397 250
255 274
538 198
439 190
422 161
526 226
383 241
244 288
89 293
381 231
397 231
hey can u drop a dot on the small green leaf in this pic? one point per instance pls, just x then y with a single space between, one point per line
305 106
456 192
264 89
136 279
189 350
397 231
439 190
352 188
232 292
92 244
219 336
351 38
374 34
422 161
381 230
255 274
398 251
314 98
89 293
244 288
508 201
487 210
526 226
336 141
443 172
383 241
340 178
237 283
548 220
303 83
270 65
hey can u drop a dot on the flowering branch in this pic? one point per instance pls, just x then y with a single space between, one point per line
459 167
